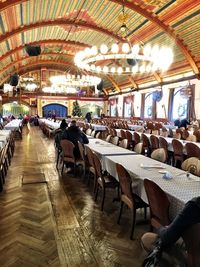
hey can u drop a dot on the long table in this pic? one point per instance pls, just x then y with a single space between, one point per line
180 188
13 125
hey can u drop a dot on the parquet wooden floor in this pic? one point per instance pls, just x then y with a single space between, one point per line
49 220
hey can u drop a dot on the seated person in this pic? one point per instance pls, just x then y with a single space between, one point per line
184 123
74 134
177 122
194 122
59 133
167 236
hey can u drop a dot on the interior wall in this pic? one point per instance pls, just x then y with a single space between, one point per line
162 105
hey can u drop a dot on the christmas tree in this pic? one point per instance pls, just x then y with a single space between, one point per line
76 111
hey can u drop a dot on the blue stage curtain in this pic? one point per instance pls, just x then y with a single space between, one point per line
57 109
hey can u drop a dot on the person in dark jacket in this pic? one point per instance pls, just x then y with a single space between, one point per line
88 117
184 123
74 134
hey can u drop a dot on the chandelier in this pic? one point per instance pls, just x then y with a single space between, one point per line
186 92
124 58
72 80
59 89
28 83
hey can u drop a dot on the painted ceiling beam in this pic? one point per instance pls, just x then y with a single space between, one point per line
50 41
114 83
167 29
59 22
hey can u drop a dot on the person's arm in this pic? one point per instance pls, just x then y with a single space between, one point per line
84 138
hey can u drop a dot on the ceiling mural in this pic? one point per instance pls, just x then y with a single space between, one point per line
63 28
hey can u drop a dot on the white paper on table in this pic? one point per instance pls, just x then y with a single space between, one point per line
156 166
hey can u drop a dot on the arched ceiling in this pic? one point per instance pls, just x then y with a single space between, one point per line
63 28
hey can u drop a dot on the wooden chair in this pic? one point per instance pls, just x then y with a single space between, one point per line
108 138
82 156
123 143
139 148
129 137
93 133
114 140
127 196
191 165
164 144
192 150
178 155
68 155
122 134
191 138
154 142
146 145
88 131
136 138
159 213
159 154
91 166
102 181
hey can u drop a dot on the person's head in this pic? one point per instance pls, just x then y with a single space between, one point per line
63 124
73 123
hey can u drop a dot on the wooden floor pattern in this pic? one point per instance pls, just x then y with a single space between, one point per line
50 220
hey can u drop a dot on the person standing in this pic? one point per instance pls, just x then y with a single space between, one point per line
88 117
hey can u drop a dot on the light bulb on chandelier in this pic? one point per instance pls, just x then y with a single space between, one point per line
117 58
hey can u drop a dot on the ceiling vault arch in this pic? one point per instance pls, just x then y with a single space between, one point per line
58 22
50 41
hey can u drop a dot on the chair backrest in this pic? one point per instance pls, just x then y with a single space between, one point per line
191 138
156 196
129 136
98 168
192 242
185 134
159 154
177 147
136 138
124 143
122 134
163 143
125 182
145 141
154 142
115 140
192 150
138 148
89 154
191 165
108 138
93 133
98 135
67 148
88 131
155 132
177 136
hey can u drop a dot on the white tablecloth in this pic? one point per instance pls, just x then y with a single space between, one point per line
98 127
13 125
180 189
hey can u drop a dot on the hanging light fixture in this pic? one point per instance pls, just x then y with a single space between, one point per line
28 83
75 80
124 58
70 83
186 92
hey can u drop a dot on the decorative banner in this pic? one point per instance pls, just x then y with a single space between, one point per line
128 99
113 101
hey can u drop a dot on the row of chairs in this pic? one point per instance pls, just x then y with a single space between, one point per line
6 154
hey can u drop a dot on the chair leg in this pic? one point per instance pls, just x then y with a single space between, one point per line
62 167
103 198
120 212
133 223
96 193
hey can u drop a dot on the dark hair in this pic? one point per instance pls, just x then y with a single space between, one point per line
73 122
63 124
